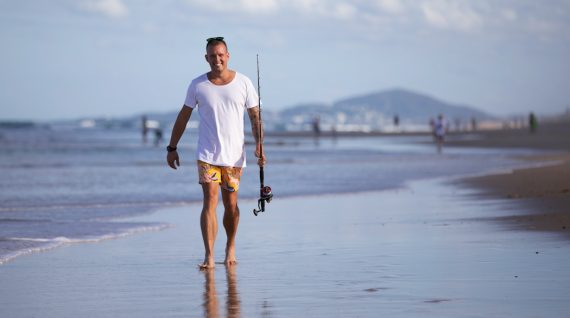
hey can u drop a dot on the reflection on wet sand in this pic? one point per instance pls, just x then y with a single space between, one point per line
210 298
211 305
232 300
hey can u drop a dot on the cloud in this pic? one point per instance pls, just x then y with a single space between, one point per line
344 11
337 9
495 17
391 6
243 6
509 15
259 5
452 15
109 8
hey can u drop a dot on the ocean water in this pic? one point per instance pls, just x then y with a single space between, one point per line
61 186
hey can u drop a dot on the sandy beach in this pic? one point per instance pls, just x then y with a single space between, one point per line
492 246
541 194
550 135
416 251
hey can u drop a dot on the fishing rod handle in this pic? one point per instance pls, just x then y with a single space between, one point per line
261 176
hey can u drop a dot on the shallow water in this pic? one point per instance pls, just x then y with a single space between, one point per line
61 186
412 252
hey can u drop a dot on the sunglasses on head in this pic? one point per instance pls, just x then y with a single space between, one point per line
218 38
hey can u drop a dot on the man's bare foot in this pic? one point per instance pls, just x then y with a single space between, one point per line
230 257
207 264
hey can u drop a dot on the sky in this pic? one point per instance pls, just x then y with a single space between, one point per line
66 59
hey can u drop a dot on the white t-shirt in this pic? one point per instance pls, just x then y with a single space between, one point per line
221 108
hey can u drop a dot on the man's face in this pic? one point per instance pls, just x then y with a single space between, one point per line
217 56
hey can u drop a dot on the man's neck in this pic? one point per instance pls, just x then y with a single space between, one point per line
221 78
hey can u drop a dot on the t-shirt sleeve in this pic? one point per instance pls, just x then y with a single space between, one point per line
191 96
252 98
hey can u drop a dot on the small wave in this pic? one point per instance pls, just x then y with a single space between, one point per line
51 243
34 165
15 220
32 239
146 204
65 165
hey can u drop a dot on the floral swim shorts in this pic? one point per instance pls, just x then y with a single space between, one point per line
227 177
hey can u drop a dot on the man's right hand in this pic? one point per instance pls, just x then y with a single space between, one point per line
172 159
260 157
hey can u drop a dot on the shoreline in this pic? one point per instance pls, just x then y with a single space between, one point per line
549 136
436 247
290 259
541 194
541 209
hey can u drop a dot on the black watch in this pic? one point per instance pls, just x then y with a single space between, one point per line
170 149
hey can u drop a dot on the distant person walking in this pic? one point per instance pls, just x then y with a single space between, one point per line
157 136
221 96
144 128
396 122
532 123
316 128
440 127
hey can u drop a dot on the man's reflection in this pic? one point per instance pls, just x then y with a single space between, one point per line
232 300
210 297
211 305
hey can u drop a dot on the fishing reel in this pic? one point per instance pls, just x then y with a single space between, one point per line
265 195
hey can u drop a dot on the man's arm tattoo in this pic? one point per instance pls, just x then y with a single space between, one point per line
255 124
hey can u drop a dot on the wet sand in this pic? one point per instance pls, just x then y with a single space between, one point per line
435 248
419 251
540 195
550 135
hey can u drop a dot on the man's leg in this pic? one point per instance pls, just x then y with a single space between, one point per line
231 221
209 222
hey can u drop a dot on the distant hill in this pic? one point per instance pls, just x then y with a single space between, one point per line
409 105
370 112
376 111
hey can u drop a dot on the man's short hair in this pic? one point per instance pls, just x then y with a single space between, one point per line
215 41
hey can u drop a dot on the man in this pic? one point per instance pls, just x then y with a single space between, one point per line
221 97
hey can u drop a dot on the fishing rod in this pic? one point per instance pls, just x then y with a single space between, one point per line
265 194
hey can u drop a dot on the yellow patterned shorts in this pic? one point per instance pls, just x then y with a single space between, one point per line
227 177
